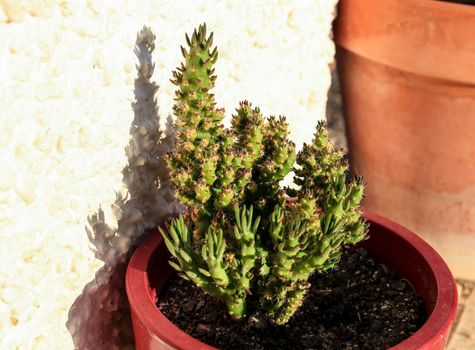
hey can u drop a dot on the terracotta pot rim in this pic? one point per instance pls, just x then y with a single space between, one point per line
145 308
445 4
425 37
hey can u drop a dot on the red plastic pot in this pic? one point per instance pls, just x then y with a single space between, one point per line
407 74
399 249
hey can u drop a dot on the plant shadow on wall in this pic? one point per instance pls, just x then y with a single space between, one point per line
99 317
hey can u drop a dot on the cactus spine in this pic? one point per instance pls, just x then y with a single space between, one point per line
240 225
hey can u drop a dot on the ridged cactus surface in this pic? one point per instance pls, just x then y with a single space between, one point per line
242 234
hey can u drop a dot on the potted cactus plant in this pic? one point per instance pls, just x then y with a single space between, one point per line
242 237
238 218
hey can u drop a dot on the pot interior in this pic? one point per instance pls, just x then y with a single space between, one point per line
159 270
399 249
403 258
391 249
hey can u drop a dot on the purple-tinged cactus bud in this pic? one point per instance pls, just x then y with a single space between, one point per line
227 176
203 143
188 146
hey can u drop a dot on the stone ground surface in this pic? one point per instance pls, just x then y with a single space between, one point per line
462 336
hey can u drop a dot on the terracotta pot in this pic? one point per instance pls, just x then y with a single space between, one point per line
399 249
407 74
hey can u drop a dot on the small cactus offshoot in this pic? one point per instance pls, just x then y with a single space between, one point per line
242 234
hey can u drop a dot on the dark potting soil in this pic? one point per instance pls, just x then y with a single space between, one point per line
359 305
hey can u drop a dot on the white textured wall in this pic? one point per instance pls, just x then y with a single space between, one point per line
67 71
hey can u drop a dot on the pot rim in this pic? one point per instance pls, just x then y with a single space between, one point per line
441 3
142 302
146 310
444 311
415 36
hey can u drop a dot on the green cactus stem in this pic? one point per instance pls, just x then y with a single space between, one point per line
209 264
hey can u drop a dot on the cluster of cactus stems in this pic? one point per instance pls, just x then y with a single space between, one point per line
242 234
